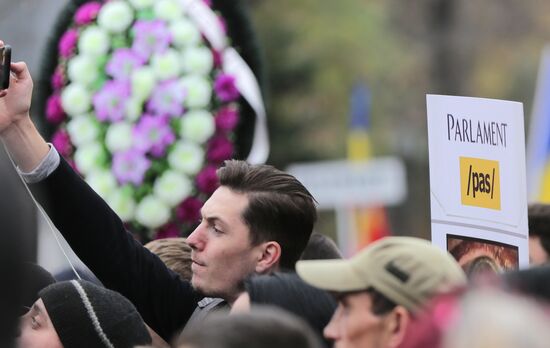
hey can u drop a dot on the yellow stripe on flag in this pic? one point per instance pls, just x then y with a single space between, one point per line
545 185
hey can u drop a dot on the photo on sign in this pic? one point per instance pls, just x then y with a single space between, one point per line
479 256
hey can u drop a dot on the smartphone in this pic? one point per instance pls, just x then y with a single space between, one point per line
5 63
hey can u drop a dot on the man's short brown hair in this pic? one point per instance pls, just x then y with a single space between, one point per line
279 209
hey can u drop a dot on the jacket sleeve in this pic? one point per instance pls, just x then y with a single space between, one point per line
99 238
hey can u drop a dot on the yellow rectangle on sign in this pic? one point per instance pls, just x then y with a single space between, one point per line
480 182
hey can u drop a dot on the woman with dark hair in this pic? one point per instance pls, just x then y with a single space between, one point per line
289 292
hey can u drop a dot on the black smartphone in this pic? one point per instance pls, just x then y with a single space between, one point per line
5 63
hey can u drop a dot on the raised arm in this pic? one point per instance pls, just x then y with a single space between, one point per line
92 229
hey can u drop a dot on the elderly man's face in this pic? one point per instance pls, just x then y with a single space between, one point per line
354 325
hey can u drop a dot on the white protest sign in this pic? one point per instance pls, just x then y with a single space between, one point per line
477 181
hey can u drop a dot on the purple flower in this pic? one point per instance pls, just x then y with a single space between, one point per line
189 210
122 63
67 43
225 88
227 118
167 99
170 230
110 101
62 142
57 80
207 180
153 134
87 13
130 166
208 2
151 37
54 111
219 149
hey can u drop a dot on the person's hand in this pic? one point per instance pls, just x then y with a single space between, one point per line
15 102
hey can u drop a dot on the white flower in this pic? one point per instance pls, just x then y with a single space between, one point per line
184 33
89 157
119 137
199 91
143 81
76 99
122 202
83 129
133 109
102 182
94 41
197 126
142 4
168 10
83 69
115 16
151 212
172 187
197 60
166 65
186 157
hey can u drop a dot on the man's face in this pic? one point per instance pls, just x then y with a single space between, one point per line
537 254
37 329
354 325
221 251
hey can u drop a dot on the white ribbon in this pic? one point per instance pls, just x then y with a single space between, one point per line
209 25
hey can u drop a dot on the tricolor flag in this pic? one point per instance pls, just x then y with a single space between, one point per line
370 222
538 147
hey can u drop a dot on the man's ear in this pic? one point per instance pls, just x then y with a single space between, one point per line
398 321
268 259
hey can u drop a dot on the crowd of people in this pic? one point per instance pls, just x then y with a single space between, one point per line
252 274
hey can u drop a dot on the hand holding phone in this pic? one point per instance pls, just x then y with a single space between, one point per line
5 63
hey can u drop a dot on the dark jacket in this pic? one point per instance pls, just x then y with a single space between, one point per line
99 238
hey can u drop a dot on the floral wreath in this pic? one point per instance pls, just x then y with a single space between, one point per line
141 107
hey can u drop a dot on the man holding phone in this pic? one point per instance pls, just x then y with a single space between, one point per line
258 221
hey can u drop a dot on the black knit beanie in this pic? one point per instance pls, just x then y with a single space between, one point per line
35 278
88 316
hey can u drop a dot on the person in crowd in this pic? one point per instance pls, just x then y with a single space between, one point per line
478 318
320 247
80 314
266 327
175 253
538 215
258 221
532 282
289 292
381 288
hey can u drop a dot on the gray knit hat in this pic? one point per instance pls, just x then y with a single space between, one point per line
85 315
